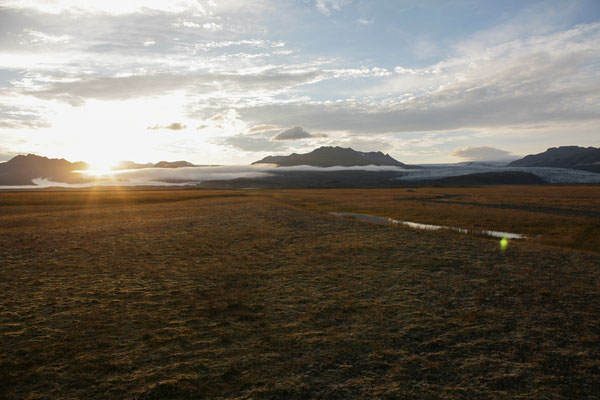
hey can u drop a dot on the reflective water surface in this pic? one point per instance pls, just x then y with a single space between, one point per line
429 227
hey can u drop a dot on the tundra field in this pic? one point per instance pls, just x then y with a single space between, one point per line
184 294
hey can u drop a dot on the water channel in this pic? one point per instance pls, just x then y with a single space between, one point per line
429 227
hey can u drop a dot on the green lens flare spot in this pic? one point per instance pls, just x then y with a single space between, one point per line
503 243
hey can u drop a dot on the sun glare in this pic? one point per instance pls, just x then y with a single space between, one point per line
100 168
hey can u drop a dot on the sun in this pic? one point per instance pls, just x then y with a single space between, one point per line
99 168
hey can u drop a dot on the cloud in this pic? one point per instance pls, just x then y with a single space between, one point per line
17 116
175 126
262 128
253 143
363 72
325 6
36 37
540 80
206 10
260 138
211 26
483 153
259 43
191 175
538 71
185 24
532 21
295 133
198 174
20 124
113 7
75 92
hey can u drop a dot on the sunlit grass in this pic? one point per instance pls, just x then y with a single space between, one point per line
564 216
241 294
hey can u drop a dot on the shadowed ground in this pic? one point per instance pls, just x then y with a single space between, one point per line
160 295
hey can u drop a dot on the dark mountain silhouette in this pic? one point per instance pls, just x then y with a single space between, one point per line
574 157
130 165
160 164
173 164
21 170
332 157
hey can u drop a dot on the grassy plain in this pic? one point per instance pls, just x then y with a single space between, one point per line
261 294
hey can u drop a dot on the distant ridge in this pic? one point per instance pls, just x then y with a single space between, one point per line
160 164
332 157
574 157
173 164
22 170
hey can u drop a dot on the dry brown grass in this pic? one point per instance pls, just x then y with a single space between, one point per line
201 294
563 216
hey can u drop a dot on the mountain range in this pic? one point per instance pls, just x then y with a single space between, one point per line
333 157
160 164
24 169
573 157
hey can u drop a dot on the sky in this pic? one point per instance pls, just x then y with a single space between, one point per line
229 82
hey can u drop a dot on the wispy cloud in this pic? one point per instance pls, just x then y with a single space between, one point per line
326 6
36 37
253 143
75 92
540 80
262 128
175 126
117 7
260 43
20 116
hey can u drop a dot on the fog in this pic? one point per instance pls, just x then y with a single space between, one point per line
195 175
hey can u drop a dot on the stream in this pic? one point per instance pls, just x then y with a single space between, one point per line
428 227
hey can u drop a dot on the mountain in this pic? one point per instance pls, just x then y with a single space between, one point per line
130 165
332 157
574 157
160 164
173 164
21 170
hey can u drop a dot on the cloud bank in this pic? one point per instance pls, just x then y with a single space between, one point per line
483 153
194 175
